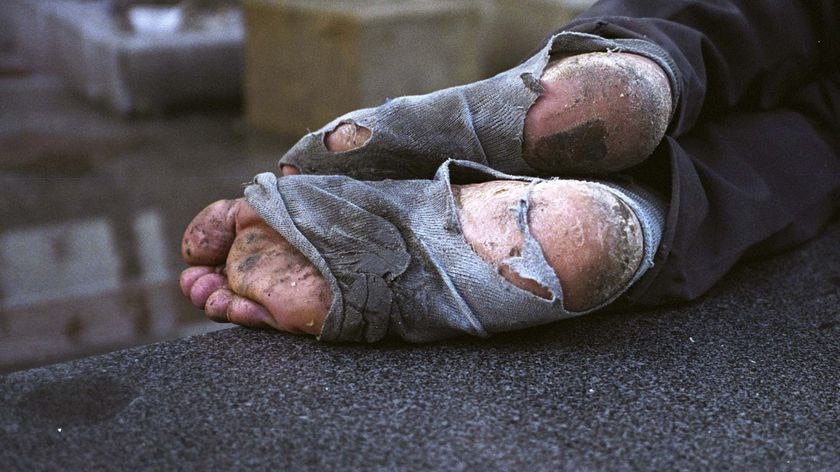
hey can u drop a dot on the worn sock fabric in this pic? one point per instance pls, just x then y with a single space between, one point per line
396 261
480 122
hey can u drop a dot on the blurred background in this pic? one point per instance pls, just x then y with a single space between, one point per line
121 119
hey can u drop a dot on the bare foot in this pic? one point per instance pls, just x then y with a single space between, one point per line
266 283
590 238
599 112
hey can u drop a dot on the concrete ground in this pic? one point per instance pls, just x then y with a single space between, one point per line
91 212
746 379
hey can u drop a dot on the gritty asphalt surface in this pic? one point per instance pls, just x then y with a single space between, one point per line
746 379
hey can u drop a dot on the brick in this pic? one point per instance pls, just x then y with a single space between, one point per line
139 73
514 28
307 61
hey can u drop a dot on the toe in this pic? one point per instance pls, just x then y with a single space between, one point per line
209 236
204 286
218 304
246 312
287 169
189 276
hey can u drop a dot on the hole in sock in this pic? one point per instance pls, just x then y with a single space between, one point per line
287 169
589 238
518 280
346 136
599 112
490 227
595 245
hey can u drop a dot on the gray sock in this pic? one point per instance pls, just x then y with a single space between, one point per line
394 257
480 122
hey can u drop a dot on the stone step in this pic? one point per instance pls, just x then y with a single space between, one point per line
514 28
100 54
309 61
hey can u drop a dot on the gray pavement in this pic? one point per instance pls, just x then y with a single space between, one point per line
746 379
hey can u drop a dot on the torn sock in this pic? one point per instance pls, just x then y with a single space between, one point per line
480 122
396 261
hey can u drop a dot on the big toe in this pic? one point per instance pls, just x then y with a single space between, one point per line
209 236
189 276
225 306
246 312
204 287
288 169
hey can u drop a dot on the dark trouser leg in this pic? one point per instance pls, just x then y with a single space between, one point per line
751 158
747 184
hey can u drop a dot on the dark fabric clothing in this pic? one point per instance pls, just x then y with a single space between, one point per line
751 160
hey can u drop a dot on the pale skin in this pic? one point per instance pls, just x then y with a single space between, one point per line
242 271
